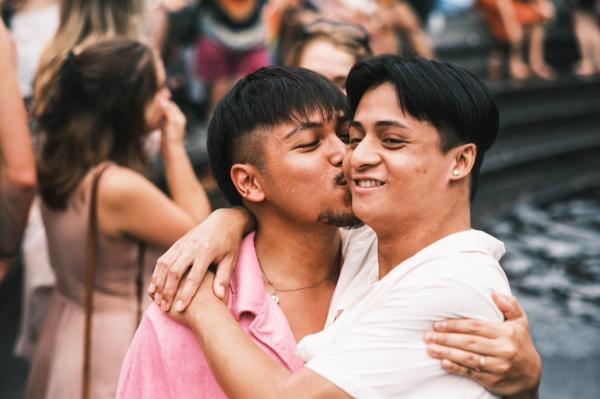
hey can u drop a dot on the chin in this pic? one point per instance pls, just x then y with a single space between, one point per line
366 212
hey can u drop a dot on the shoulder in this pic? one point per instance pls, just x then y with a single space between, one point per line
455 286
122 189
118 182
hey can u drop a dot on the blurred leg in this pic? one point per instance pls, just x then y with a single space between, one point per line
536 53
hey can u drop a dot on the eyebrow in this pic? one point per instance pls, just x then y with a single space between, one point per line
379 124
303 126
392 123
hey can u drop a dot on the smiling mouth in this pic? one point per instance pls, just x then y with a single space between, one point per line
368 183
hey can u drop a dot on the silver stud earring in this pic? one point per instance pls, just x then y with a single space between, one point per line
455 172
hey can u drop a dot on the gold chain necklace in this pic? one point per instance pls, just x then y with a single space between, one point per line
275 295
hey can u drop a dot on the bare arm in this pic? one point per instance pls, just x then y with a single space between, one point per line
129 204
511 367
17 161
242 369
186 190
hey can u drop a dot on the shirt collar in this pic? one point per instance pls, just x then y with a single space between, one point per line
247 286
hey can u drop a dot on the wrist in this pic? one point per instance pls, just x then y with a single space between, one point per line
172 149
237 217
204 310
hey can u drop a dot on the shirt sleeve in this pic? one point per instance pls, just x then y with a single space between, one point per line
143 374
381 353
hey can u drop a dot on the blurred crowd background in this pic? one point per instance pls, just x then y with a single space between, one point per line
540 189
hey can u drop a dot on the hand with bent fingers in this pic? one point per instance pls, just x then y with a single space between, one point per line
215 241
499 356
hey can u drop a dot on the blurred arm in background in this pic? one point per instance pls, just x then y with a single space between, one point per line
17 160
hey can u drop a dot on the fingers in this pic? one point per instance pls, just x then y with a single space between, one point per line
508 305
473 361
502 349
223 276
159 276
470 343
488 329
172 112
174 277
192 282
457 369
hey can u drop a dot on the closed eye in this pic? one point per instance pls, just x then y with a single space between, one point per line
393 141
310 145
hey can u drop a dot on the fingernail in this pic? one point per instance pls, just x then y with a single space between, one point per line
157 299
435 350
179 306
220 291
163 305
430 337
446 363
151 288
503 298
439 325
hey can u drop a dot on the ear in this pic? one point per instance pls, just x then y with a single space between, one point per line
244 178
463 159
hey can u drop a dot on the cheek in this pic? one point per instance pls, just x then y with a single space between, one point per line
346 163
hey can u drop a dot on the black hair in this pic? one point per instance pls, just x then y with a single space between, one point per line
258 102
446 95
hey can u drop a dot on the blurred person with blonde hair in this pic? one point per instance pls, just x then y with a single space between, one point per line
82 22
331 48
107 99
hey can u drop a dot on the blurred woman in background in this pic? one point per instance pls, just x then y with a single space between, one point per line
330 48
106 100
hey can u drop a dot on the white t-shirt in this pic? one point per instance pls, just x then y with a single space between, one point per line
32 31
372 346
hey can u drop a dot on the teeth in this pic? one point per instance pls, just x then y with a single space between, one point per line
368 183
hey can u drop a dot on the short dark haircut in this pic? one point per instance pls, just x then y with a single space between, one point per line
448 96
258 102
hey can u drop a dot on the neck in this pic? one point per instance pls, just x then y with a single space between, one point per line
398 244
294 255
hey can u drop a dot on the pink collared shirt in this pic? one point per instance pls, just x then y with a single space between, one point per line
166 361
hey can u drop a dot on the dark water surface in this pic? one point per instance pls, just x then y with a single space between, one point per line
553 263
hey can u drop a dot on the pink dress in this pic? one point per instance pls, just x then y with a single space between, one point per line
56 365
166 361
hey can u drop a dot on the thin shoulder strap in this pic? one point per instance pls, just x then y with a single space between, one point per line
92 236
139 280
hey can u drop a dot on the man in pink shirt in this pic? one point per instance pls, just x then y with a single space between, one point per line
275 149
297 240
166 361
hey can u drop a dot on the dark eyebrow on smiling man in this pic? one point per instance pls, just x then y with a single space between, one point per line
379 124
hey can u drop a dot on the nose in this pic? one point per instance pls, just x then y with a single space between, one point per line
364 155
337 151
